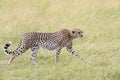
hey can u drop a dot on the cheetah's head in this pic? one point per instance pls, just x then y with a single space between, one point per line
77 33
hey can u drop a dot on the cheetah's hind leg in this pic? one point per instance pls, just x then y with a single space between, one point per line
11 59
34 55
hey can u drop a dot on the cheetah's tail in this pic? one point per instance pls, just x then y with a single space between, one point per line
6 51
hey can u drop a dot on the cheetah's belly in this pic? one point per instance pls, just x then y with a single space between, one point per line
49 46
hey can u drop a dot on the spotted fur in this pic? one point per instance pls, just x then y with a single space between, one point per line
50 41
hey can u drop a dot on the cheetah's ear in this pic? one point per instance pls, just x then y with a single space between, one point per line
73 32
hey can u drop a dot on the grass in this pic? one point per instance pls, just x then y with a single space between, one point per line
100 47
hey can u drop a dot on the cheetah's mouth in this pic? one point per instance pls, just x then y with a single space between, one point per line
81 36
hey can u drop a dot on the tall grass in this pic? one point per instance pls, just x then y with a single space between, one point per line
100 47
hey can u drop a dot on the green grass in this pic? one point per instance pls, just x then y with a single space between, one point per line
100 47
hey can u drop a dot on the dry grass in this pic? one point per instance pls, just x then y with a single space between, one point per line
100 21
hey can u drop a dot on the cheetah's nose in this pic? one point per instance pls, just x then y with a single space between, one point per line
81 35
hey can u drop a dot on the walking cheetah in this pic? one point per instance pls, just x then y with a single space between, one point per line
50 41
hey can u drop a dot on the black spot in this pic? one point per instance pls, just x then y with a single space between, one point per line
6 51
33 55
73 52
20 51
5 47
13 52
9 52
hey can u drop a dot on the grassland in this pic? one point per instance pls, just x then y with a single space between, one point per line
100 47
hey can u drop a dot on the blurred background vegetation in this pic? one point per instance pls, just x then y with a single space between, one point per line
100 47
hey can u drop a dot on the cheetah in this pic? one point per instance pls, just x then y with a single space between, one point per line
50 41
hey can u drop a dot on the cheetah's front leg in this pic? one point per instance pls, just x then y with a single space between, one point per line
69 49
57 54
